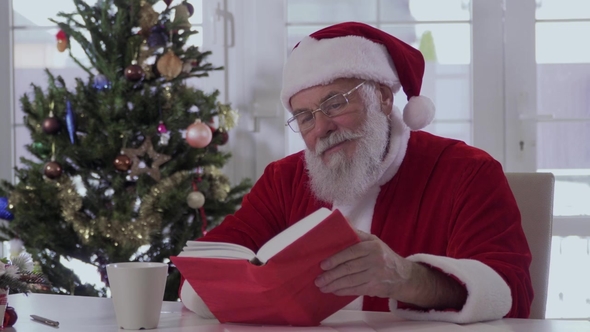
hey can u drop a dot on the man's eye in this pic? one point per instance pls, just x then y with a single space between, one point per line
333 105
304 117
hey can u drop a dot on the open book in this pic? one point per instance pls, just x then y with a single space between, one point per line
275 285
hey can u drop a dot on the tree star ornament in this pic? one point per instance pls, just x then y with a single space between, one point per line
157 160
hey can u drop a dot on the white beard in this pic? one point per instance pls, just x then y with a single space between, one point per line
345 179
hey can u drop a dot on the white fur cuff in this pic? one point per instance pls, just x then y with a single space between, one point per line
193 302
488 295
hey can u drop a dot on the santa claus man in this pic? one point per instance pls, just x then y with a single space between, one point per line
440 230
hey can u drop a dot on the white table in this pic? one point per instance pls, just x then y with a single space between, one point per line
90 314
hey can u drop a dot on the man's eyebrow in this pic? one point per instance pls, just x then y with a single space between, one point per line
326 97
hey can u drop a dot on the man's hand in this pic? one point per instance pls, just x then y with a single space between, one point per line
371 268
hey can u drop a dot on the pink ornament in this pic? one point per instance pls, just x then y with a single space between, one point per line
162 128
198 135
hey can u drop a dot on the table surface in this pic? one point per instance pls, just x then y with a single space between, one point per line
90 314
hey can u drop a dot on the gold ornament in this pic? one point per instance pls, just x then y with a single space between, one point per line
219 183
181 15
169 65
228 117
157 159
148 17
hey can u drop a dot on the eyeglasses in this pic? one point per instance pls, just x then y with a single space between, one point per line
331 107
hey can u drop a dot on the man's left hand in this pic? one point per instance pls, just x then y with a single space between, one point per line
366 268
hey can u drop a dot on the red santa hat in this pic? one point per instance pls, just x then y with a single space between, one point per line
357 50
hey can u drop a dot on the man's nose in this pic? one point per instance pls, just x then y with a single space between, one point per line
323 124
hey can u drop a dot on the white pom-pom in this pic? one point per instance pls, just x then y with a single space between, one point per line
418 112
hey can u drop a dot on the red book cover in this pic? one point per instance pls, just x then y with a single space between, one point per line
280 292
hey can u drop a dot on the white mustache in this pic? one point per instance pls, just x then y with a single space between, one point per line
335 139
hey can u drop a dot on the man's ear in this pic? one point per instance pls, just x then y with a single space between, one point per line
386 99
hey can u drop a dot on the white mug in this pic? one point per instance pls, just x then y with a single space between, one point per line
137 290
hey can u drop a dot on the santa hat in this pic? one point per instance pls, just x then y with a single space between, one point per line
357 50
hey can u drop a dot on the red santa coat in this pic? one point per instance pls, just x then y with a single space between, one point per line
448 206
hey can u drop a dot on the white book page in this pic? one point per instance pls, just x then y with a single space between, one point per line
216 250
289 235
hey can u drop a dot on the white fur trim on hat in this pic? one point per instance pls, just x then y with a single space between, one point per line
319 62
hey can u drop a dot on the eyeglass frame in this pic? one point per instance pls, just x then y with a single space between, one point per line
320 109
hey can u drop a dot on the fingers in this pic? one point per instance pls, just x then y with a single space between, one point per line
353 252
342 271
347 284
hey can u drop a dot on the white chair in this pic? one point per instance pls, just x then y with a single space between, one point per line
534 196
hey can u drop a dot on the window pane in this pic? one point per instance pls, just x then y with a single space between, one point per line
38 12
554 81
331 11
424 10
563 145
563 9
460 131
563 42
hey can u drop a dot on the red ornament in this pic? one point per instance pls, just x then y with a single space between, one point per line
134 73
198 135
221 137
61 35
52 170
162 128
51 125
10 317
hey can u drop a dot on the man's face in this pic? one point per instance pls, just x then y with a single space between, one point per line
353 117
345 152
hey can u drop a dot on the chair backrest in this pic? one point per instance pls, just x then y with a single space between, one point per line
534 196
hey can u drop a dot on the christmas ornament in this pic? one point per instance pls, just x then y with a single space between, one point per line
62 41
228 118
167 2
158 37
190 8
4 209
134 72
169 65
52 170
195 199
10 317
198 134
122 163
100 82
181 15
148 17
51 125
162 128
164 134
220 136
70 122
157 160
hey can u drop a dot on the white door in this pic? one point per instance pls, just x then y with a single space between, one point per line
548 130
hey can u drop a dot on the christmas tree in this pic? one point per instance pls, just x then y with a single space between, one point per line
128 166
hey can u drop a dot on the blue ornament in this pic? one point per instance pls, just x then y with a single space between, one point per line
70 121
158 37
4 213
101 83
